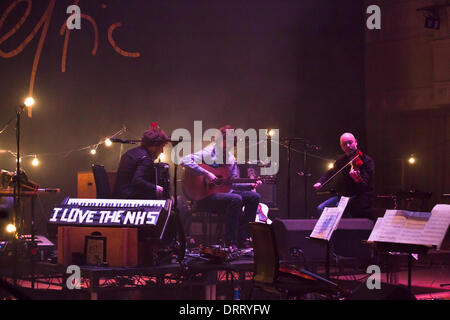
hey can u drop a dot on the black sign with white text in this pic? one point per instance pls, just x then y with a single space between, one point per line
103 217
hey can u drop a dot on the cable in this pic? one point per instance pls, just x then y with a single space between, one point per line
6 125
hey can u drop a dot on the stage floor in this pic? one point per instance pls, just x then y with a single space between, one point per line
207 281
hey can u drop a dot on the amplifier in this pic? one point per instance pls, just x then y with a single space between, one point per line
86 184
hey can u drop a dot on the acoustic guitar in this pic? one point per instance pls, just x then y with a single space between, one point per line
196 187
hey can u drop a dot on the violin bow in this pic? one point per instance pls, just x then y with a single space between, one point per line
336 173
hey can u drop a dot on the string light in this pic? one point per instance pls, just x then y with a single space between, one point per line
35 161
108 142
92 149
29 102
10 228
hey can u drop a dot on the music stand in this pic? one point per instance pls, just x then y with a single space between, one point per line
325 227
411 232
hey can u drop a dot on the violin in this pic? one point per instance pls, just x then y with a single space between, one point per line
356 163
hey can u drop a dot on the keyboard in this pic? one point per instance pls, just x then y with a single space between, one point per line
125 213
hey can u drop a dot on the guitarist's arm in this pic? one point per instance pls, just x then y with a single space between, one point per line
191 161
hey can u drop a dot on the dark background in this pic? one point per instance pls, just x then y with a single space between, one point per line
288 64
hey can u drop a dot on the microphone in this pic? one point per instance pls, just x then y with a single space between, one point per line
117 140
175 142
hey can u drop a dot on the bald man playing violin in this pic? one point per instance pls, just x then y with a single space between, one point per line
354 181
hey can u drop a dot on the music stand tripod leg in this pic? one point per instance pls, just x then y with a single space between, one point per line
409 270
327 260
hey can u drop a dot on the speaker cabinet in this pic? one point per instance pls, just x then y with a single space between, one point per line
86 184
268 193
346 241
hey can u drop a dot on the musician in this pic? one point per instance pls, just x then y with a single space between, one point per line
356 180
236 221
135 175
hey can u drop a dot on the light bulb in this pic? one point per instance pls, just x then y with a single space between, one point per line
35 161
29 102
10 228
108 142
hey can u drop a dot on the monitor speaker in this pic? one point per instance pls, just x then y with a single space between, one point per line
347 240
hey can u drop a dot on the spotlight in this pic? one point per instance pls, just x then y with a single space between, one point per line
29 102
412 160
10 228
330 165
35 161
108 142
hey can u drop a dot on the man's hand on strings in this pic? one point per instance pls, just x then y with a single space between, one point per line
210 177
257 183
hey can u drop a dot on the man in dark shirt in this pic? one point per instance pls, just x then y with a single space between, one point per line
136 172
356 182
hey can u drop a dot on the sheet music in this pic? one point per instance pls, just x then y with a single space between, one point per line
329 220
388 227
376 230
436 228
414 225
409 227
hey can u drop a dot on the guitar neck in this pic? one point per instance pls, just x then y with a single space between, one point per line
241 180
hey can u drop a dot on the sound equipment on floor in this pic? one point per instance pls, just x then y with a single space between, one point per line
347 240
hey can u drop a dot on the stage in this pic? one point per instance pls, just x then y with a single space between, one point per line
203 280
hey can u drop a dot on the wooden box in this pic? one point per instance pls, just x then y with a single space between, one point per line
121 244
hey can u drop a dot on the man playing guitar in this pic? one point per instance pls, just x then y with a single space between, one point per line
207 165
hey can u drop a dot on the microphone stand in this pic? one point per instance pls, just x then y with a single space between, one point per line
305 173
289 148
179 225
16 195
